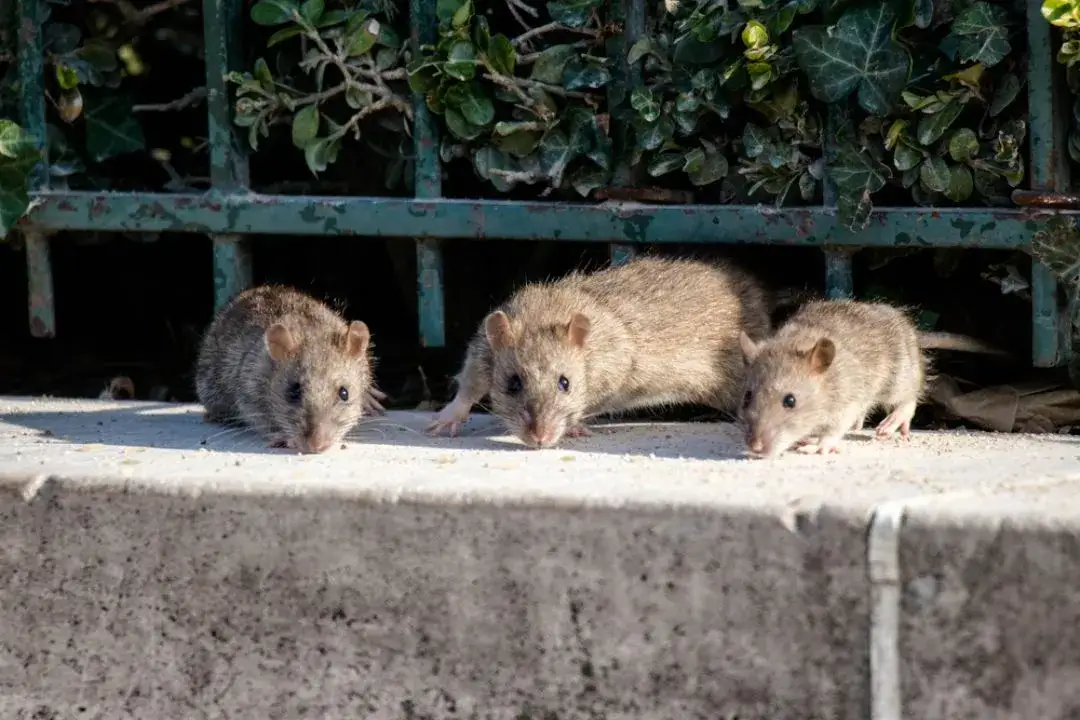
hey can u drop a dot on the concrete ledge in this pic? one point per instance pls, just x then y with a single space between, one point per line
153 567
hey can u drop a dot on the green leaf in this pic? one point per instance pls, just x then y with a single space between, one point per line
922 13
586 179
640 49
111 127
1007 90
983 34
14 189
518 143
262 73
461 61
641 100
357 98
334 17
549 64
578 75
284 34
501 55
471 100
906 157
933 127
651 136
934 174
857 176
481 33
807 186
1062 13
664 163
273 12
66 77
462 15
705 165
858 53
363 38
312 10
322 153
761 74
305 126
961 184
754 140
459 126
445 9
755 35
573 13
963 145
385 59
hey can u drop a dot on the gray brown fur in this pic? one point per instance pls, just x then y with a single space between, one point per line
876 362
660 332
238 381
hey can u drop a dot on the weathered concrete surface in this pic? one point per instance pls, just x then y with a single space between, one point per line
153 567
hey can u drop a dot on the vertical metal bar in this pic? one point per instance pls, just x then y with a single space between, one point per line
428 184
1048 110
838 276
631 14
839 282
42 308
222 21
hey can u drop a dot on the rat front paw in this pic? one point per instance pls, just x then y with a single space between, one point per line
451 419
579 431
374 401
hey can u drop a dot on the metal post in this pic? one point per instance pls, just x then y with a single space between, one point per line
631 13
839 282
222 20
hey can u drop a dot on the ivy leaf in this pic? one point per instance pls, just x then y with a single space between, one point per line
644 104
111 127
273 12
578 74
549 64
665 163
555 154
14 190
857 176
586 179
961 184
516 142
982 34
754 140
857 53
573 13
705 165
933 127
501 55
461 61
305 126
934 174
640 49
922 13
651 136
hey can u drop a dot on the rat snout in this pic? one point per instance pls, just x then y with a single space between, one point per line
540 432
760 444
318 440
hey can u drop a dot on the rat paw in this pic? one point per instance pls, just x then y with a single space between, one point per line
374 401
451 419
579 431
278 444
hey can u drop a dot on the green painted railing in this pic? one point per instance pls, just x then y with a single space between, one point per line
229 211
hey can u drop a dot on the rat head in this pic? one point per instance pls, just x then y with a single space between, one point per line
785 397
538 376
318 385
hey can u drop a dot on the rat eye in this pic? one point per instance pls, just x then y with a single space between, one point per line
564 384
513 384
294 393
747 398
789 401
343 393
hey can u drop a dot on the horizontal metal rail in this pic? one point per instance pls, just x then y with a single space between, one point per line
630 223
229 212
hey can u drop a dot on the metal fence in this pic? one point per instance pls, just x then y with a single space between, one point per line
230 211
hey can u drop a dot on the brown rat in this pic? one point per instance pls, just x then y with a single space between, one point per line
288 366
829 366
651 332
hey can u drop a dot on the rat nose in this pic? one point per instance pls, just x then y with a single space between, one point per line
756 445
319 441
542 435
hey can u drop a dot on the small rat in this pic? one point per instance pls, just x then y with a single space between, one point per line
650 332
288 366
829 366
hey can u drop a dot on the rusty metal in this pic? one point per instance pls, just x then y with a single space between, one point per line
664 196
1046 199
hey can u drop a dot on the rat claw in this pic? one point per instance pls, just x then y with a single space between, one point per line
450 418
579 431
278 444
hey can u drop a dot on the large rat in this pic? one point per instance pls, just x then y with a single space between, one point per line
288 366
647 333
832 364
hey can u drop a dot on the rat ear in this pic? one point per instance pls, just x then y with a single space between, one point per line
357 338
750 349
821 355
497 328
578 329
280 343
